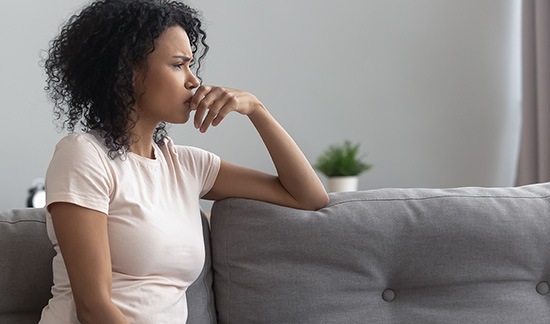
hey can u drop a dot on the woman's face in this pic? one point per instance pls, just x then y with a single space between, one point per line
163 87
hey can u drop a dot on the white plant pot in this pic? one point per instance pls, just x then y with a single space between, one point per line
340 184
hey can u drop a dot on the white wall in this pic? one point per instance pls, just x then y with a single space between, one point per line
430 88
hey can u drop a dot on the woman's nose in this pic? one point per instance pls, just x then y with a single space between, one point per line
192 81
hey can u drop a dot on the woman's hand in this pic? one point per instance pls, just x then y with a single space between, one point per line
213 103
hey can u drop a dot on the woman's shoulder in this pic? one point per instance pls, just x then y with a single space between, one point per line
190 157
185 151
80 143
197 162
78 138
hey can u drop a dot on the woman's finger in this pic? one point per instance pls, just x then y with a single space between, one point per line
204 104
223 113
231 104
214 110
207 120
199 94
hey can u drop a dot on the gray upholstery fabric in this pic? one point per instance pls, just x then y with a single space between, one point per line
465 255
200 295
25 266
26 271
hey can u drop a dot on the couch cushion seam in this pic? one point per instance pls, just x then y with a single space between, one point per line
23 221
436 197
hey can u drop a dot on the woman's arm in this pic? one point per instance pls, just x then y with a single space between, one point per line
82 237
297 185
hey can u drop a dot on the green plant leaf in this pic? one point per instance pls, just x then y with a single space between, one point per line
341 160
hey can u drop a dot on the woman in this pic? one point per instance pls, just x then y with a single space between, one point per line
123 198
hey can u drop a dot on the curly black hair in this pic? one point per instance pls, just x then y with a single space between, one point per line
90 64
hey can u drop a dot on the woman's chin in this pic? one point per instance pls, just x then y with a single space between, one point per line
182 119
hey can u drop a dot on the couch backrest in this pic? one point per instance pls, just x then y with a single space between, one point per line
26 270
25 265
466 255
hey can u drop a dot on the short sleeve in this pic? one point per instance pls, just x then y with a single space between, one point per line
77 174
203 165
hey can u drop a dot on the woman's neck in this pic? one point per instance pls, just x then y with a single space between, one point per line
142 141
144 148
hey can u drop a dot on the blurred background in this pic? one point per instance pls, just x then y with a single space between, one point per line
429 88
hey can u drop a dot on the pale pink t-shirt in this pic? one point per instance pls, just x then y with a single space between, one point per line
154 224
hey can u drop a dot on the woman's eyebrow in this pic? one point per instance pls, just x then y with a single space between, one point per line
182 57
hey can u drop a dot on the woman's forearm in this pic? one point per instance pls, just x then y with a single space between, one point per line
294 170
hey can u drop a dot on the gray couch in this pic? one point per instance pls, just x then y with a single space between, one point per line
464 255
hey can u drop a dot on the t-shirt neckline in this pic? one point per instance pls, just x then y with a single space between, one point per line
142 159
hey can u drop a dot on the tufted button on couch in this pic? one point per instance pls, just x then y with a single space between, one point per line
462 255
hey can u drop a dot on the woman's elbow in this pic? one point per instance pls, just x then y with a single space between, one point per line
316 203
85 315
323 201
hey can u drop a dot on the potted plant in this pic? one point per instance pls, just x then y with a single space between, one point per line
342 165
